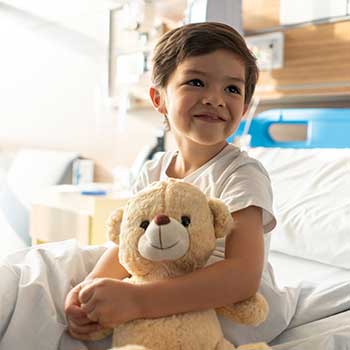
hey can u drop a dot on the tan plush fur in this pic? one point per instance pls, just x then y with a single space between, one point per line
209 219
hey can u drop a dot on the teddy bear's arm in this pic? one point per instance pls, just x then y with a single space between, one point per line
252 311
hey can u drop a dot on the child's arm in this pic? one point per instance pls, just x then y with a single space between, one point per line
108 266
234 279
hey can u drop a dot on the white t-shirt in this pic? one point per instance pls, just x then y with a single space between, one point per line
232 176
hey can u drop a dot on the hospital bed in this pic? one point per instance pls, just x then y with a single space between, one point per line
310 247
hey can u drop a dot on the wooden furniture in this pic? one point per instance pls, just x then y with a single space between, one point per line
316 62
57 215
260 15
316 55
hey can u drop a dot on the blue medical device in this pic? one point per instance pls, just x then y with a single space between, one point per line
326 127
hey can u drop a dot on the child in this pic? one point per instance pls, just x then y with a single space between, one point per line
204 77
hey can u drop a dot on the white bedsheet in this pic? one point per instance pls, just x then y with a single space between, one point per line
331 333
322 316
290 270
35 282
311 202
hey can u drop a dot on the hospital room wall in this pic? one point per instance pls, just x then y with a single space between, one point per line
52 95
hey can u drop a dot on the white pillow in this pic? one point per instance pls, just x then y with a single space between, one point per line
5 162
34 168
2 177
312 202
30 170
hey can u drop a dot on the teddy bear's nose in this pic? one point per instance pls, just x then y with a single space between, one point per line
161 219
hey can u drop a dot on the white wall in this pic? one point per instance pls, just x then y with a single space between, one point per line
50 82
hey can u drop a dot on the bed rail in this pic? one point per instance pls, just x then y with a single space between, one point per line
325 127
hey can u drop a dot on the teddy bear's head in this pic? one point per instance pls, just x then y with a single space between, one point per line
168 229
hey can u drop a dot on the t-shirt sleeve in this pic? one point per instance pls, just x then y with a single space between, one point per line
248 186
149 173
140 182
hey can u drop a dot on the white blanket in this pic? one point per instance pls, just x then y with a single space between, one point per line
322 316
331 333
35 281
34 284
9 239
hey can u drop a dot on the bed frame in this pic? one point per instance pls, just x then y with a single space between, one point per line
325 127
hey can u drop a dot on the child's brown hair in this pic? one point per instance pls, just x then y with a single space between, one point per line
199 39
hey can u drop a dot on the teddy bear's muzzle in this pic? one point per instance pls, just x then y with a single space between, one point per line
164 239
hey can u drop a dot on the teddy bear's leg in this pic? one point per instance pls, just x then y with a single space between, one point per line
225 345
256 346
130 347
93 336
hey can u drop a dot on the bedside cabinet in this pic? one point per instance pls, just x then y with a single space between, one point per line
58 214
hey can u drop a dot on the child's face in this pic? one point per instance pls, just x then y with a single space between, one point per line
204 98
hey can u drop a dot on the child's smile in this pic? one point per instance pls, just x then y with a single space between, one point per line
210 117
204 98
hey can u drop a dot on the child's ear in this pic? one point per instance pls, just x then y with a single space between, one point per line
245 108
157 100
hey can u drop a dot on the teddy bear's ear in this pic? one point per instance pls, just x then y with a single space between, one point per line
223 222
113 225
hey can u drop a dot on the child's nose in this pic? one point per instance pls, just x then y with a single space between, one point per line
213 99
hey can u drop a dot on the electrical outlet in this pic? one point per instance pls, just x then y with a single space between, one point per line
268 49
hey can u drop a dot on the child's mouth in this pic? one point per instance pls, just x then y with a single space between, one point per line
209 118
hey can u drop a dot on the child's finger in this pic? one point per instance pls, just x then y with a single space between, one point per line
89 306
86 329
72 297
80 321
86 293
93 316
75 311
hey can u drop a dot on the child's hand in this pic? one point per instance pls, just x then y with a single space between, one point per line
79 325
109 301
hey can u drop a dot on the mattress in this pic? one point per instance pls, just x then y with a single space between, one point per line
291 271
322 316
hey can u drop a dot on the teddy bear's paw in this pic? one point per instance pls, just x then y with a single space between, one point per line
252 311
255 346
130 347
92 336
101 334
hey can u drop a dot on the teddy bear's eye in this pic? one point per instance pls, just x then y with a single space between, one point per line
144 224
185 220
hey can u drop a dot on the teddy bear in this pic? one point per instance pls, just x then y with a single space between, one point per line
167 230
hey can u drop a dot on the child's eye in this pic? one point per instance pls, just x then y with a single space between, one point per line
195 82
233 89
